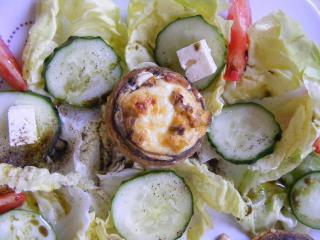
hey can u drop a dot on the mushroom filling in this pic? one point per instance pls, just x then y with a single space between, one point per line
161 115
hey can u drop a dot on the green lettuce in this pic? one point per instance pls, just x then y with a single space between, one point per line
207 188
283 75
294 112
266 205
309 164
212 190
147 18
269 209
100 229
284 71
311 77
101 226
57 20
39 179
67 210
269 201
278 56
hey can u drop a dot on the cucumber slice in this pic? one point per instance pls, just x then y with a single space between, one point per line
82 71
183 32
157 205
21 224
48 127
304 199
244 132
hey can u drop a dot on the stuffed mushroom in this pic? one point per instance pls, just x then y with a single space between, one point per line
156 117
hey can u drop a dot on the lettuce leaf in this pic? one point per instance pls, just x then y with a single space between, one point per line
100 229
309 164
216 164
278 55
147 18
67 210
207 188
57 20
39 179
101 226
311 77
283 75
269 209
214 190
200 221
293 111
213 96
296 142
269 201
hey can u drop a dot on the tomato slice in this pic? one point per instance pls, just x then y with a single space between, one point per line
10 200
10 70
317 146
237 58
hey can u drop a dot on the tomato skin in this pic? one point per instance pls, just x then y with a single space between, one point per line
10 69
317 146
10 200
240 13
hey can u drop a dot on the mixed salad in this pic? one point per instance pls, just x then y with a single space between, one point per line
132 130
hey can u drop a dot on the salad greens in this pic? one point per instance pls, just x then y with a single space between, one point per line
57 20
310 164
279 55
269 209
39 179
102 229
211 190
147 18
283 75
67 210
215 191
207 188
269 201
281 87
295 116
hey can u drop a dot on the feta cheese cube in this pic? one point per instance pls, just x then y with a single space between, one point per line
22 125
197 61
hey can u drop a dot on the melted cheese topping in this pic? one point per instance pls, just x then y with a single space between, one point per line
163 118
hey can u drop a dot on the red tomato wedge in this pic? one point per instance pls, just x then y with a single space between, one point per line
10 200
240 13
10 70
317 146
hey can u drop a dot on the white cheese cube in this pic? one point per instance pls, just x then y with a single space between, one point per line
22 125
197 61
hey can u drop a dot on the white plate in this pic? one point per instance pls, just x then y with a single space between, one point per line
16 16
